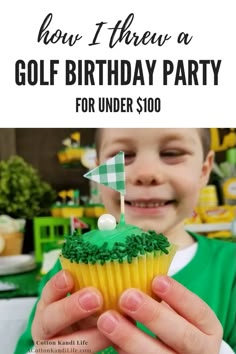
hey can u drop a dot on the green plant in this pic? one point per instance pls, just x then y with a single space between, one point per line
23 194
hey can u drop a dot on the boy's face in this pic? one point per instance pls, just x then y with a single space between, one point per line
164 172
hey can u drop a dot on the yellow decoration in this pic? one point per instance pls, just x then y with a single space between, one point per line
62 194
2 244
11 243
220 234
73 153
62 157
194 218
219 214
72 211
70 193
56 212
94 211
228 141
208 196
229 188
75 136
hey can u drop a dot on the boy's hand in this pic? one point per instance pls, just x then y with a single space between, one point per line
59 318
183 323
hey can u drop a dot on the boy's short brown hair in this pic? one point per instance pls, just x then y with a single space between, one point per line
205 135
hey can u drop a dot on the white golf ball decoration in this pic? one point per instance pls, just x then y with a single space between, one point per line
106 222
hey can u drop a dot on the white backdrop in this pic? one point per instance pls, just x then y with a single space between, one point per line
210 23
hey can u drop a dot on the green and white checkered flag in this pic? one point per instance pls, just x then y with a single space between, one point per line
111 173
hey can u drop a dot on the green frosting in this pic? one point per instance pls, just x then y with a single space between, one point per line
123 243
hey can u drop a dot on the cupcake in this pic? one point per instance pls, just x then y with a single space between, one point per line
117 259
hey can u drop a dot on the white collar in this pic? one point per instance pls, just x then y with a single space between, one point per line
182 258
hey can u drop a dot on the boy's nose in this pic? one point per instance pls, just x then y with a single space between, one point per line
148 173
148 178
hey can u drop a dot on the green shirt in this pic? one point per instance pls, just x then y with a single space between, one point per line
211 274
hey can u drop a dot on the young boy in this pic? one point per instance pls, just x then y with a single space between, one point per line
165 169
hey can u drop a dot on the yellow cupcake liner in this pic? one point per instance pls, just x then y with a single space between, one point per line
112 278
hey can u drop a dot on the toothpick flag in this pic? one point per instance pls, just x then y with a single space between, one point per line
75 136
111 173
66 142
76 223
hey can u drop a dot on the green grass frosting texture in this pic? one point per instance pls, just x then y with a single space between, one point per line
122 244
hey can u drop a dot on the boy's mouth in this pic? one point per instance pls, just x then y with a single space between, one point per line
148 203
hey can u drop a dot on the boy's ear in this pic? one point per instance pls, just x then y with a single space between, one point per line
207 167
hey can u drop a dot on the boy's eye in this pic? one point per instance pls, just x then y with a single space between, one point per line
172 153
173 156
129 157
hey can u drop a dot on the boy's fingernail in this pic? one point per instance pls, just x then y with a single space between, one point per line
89 300
131 300
61 281
107 322
161 284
